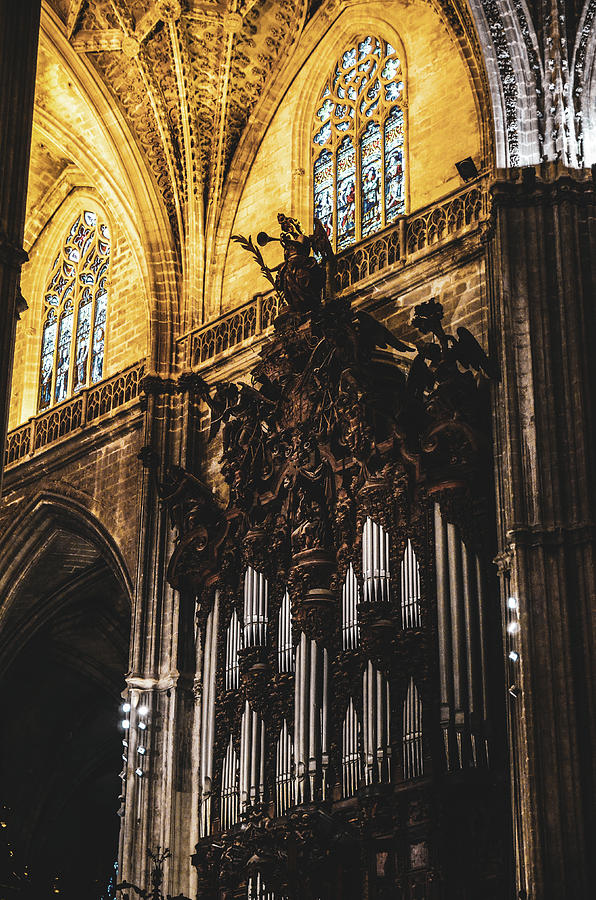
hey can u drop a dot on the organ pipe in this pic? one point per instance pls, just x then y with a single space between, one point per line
255 608
310 720
351 761
375 562
285 648
233 645
410 588
208 716
229 788
413 762
377 723
252 758
284 783
349 625
462 646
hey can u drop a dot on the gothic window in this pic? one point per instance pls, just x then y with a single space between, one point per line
358 143
74 312
410 588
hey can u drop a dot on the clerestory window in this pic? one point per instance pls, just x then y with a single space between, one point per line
359 143
74 311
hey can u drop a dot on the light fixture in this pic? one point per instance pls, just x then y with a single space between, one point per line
126 707
139 772
513 627
467 168
124 742
126 723
512 602
141 750
143 710
142 726
513 655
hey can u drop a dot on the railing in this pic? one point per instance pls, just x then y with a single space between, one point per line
405 241
85 409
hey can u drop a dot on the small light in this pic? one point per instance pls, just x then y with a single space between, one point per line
513 655
512 602
126 707
513 627
125 723
125 757
142 726
139 772
124 742
141 750
143 710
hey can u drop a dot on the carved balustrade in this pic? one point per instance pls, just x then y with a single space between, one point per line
404 242
88 407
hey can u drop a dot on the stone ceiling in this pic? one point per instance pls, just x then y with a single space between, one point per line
187 76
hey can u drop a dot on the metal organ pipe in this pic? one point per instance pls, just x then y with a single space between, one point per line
255 608
375 562
208 716
376 703
350 630
310 720
462 646
410 588
413 761
229 788
351 771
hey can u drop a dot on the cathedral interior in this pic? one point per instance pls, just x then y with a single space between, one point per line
297 449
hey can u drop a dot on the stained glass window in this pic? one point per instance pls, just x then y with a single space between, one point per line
358 143
75 311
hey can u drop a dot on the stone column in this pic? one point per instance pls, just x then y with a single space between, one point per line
19 34
157 806
543 266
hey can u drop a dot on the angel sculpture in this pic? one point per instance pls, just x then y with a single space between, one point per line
450 358
300 280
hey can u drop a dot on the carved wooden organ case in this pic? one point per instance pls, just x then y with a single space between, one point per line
351 730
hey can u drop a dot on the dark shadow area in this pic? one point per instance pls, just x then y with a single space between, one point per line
61 750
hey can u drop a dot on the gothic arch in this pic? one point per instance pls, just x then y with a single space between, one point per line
124 182
65 620
33 531
128 262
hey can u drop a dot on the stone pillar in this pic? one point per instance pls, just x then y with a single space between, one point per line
19 34
543 269
156 810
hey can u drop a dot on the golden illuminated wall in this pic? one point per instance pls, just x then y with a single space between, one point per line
444 127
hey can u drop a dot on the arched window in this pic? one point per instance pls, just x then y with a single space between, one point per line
75 308
358 143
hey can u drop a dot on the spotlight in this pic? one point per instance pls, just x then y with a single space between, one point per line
143 710
514 656
142 726
139 772
467 168
513 627
141 750
124 743
512 602
125 723
126 707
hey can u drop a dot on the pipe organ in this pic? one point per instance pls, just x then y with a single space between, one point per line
255 608
462 614
347 621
